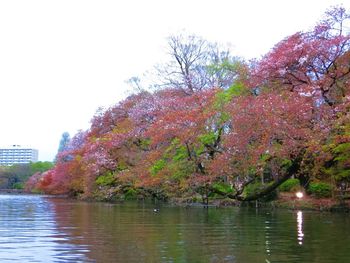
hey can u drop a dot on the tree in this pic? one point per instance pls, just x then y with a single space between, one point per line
329 157
179 141
67 174
265 143
219 127
196 64
64 143
15 176
313 63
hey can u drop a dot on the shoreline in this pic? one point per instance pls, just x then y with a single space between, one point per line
284 201
14 191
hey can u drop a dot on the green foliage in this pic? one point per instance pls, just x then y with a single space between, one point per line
256 187
223 187
107 179
341 168
174 162
338 147
265 157
145 143
286 163
225 65
225 96
290 185
180 169
199 149
157 167
178 166
175 151
40 167
14 177
130 194
252 188
342 148
18 185
320 189
208 138
122 166
180 153
237 89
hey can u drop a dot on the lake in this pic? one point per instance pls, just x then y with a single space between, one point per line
45 229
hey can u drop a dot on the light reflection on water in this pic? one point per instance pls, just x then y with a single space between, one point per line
300 227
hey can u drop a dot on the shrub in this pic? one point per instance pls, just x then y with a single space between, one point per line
158 166
130 194
107 179
256 187
18 186
225 188
290 185
320 190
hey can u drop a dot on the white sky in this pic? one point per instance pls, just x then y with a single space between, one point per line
61 60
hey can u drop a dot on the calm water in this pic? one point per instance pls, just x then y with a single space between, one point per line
43 229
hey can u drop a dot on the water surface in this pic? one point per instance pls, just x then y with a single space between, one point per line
45 229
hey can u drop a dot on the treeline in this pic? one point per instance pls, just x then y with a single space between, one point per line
218 125
15 176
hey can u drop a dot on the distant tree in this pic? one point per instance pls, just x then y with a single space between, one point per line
64 142
16 175
40 167
63 146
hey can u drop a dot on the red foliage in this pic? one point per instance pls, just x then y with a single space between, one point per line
311 63
172 140
271 125
182 117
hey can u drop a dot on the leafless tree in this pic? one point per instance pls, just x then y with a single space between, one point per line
196 64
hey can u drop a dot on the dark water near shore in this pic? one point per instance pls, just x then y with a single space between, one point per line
44 229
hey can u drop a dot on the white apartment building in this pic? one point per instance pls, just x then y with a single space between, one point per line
16 154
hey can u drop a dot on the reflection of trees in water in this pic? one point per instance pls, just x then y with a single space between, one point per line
114 233
28 232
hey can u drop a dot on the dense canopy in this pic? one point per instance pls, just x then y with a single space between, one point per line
217 125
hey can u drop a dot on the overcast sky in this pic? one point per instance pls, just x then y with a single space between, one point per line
61 60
